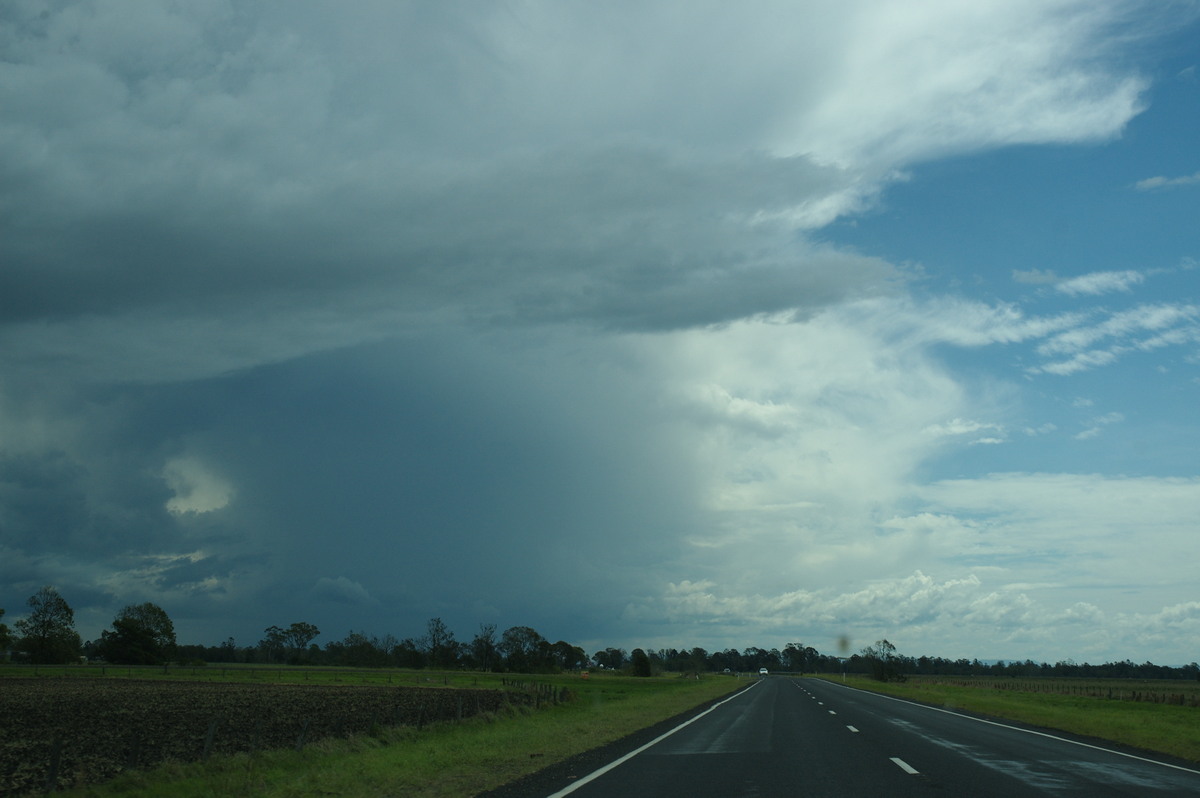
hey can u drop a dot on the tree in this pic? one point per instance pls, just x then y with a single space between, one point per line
610 657
5 637
357 651
273 645
142 634
799 657
297 637
640 662
407 654
523 649
483 648
882 662
438 644
567 656
48 635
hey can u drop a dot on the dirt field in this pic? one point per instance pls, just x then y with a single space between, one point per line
77 731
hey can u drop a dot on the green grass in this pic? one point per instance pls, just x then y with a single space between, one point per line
1164 728
442 760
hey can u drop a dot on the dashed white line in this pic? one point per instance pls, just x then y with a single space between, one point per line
851 728
1026 731
907 768
831 712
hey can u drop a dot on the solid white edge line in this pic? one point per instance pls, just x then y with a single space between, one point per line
595 774
1017 728
907 768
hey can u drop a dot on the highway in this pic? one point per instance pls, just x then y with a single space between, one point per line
809 737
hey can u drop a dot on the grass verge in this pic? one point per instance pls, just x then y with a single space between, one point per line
1167 729
442 760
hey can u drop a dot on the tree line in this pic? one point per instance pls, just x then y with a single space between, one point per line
517 649
143 634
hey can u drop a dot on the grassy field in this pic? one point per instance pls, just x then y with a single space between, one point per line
1155 691
465 758
1080 706
445 759
263 674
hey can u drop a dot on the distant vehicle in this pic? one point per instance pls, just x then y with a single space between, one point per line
762 671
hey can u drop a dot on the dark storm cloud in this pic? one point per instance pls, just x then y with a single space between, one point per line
510 313
208 161
100 502
443 476
624 237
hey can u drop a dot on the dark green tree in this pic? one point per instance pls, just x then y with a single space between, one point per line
357 651
639 662
142 634
407 654
484 651
568 657
48 634
524 650
439 645
5 637
274 645
613 658
882 663
297 637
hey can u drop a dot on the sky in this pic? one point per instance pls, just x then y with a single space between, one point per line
642 324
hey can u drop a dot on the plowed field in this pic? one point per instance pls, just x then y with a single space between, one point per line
74 731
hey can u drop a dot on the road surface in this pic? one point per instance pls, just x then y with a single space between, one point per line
809 737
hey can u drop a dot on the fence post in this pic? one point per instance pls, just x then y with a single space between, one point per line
135 751
208 738
55 758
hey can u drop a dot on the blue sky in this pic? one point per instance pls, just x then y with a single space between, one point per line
789 322
1012 225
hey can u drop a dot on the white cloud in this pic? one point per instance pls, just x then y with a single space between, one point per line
959 426
197 488
1097 425
1043 429
1151 183
1100 283
820 411
1172 324
956 616
957 321
342 590
1082 361
906 108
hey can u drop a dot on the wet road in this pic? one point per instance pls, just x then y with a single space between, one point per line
813 738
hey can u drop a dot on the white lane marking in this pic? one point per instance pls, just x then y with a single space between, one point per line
595 774
831 712
851 728
907 768
1019 729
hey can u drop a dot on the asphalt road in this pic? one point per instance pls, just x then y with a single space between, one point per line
808 737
